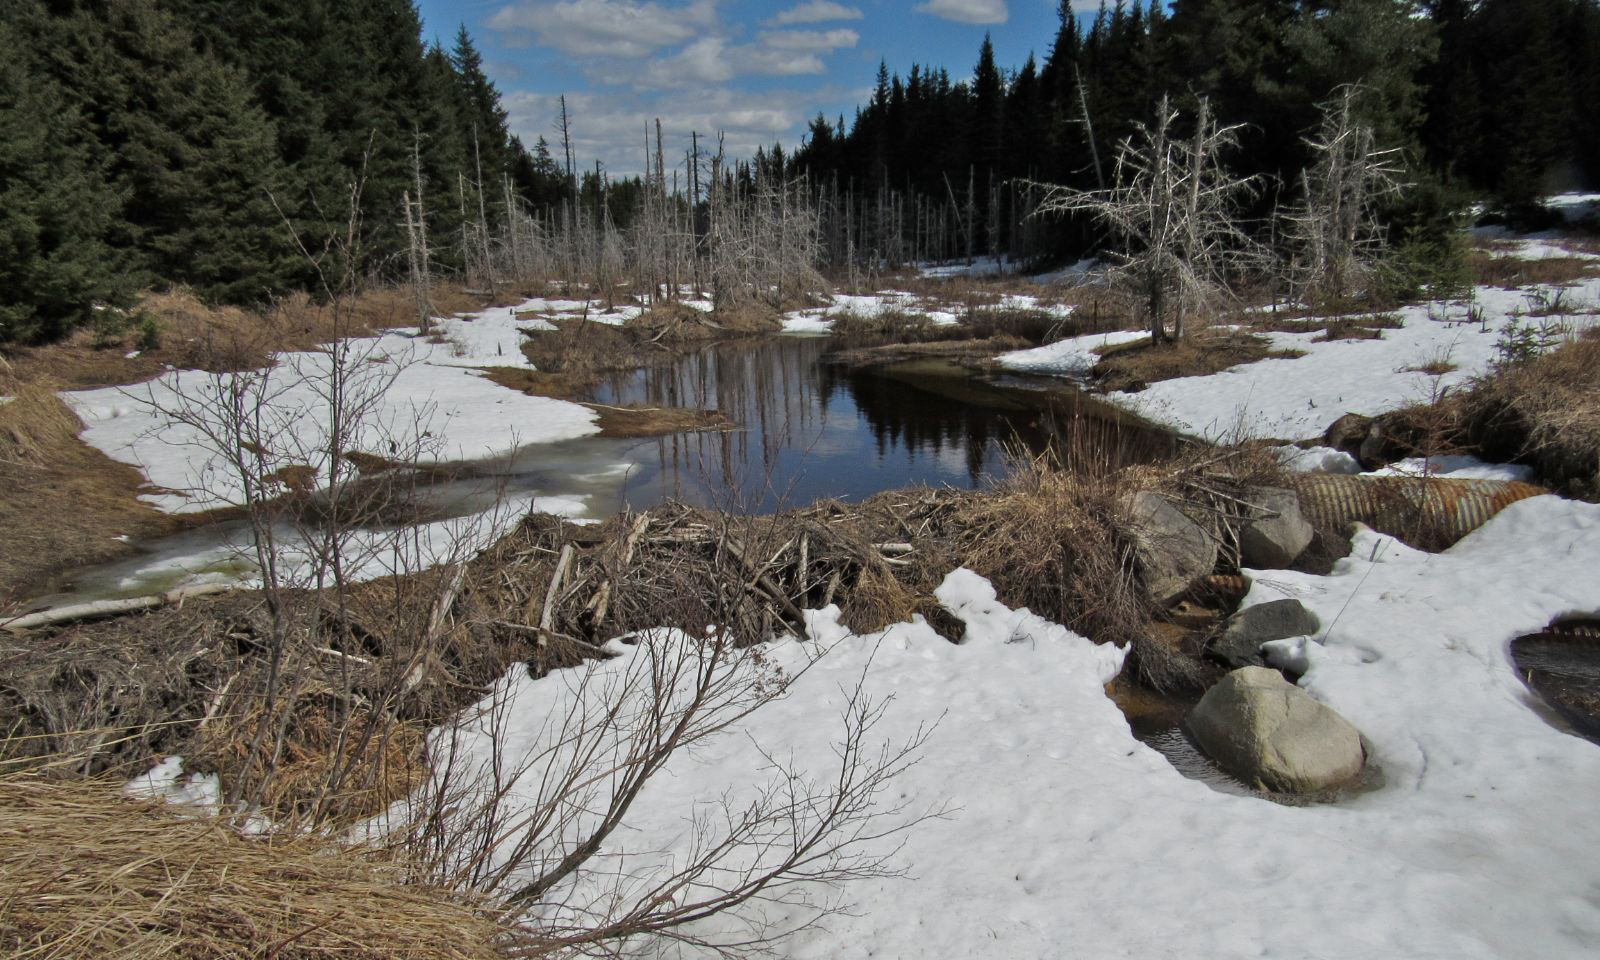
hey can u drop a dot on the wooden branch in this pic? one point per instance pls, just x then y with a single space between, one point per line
110 608
547 616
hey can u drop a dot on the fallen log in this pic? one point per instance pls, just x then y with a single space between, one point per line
109 608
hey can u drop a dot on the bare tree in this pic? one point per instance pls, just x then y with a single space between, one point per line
1334 233
1173 207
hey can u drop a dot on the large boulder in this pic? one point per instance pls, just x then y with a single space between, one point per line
1239 642
1172 550
1266 731
1273 533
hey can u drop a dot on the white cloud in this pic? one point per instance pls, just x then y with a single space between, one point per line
618 28
703 63
713 60
969 11
609 125
818 11
810 41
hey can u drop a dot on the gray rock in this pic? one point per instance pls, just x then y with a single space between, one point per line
1276 533
1239 643
1173 551
1266 731
1347 432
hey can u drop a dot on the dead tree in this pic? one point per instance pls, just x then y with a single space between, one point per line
1173 206
1333 232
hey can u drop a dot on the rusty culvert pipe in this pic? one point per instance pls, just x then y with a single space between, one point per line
1427 512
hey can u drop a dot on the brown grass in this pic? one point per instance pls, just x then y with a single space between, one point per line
614 421
677 323
1433 368
1127 366
88 873
196 335
1512 272
1545 412
64 502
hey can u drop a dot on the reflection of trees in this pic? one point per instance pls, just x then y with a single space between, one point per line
781 395
912 413
769 388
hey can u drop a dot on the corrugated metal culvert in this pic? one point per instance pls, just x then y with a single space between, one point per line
1427 512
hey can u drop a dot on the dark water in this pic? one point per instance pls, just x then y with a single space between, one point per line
1562 665
811 429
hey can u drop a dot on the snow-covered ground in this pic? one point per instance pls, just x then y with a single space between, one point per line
1068 837
427 392
1072 357
1297 398
821 319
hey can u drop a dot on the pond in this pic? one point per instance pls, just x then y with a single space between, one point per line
807 428
811 429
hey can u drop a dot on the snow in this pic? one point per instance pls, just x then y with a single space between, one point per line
1539 246
978 267
1317 460
1072 357
1076 272
165 781
820 319
1296 399
1066 836
420 390
1459 466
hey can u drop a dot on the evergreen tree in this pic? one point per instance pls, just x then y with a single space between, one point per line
55 206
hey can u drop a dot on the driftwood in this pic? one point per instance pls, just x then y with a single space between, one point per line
109 608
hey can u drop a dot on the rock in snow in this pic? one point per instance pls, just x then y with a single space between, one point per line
1173 551
1265 730
1242 635
1277 533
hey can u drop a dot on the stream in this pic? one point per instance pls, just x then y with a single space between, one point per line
808 429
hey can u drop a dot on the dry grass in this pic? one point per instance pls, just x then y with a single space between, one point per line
678 323
614 421
1545 412
1131 365
64 501
88 873
190 334
1512 272
1434 368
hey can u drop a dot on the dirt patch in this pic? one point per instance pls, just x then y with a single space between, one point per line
1130 366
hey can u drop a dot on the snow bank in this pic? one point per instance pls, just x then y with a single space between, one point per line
1072 357
427 389
1068 837
1296 399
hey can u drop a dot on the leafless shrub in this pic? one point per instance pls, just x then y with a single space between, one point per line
1172 207
1333 231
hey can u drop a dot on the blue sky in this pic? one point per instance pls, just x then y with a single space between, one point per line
757 71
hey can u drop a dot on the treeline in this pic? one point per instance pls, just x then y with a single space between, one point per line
154 142
1496 97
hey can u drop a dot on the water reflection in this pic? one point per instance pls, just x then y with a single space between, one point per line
810 429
